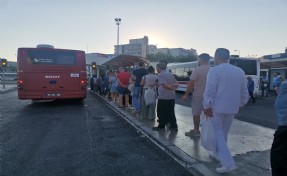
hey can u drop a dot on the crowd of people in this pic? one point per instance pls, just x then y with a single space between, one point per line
215 94
142 90
265 84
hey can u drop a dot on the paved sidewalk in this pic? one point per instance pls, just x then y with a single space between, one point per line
249 143
8 88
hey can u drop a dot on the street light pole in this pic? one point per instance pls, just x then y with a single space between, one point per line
118 22
238 52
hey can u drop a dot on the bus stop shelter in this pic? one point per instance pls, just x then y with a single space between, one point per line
125 61
269 67
274 64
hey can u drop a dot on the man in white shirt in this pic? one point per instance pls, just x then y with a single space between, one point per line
226 91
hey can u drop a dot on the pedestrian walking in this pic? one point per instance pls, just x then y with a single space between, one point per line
264 86
137 77
166 98
197 85
279 146
149 84
226 91
102 85
95 82
114 84
277 79
131 90
123 78
107 85
250 87
91 80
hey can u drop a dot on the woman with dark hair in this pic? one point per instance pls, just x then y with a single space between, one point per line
149 82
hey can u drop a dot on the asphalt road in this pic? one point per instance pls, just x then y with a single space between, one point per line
70 138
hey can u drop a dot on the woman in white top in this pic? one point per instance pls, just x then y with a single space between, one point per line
149 82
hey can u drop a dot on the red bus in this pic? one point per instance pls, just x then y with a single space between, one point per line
48 73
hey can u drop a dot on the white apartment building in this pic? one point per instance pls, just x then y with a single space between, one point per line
151 49
136 47
143 41
140 47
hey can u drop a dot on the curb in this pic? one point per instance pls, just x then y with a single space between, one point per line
194 166
2 91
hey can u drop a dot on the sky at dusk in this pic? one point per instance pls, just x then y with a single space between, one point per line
254 27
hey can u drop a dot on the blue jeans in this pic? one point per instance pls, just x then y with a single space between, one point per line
136 97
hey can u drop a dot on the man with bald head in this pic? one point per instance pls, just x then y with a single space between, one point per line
226 91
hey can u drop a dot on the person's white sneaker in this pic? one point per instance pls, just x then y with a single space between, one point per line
224 169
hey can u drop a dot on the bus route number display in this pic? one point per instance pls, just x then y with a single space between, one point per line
43 61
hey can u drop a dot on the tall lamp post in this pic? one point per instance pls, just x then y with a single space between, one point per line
238 52
118 22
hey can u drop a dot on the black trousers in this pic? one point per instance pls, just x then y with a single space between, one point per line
264 89
252 96
279 152
165 113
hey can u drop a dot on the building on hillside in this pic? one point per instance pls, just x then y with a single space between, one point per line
11 67
99 59
176 52
140 47
151 49
135 47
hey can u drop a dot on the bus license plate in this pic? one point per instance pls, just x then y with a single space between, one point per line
53 82
53 94
75 75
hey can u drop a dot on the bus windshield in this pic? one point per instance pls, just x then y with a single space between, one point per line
47 57
248 66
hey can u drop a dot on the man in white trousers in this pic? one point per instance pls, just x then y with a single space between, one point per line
226 91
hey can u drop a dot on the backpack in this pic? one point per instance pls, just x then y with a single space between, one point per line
149 96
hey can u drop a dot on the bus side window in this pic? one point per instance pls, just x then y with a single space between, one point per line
173 71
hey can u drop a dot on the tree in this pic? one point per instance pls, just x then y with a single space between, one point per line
12 68
158 57
188 58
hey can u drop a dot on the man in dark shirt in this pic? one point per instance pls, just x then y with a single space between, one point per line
138 75
264 85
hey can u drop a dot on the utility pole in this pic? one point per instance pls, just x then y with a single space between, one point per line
118 22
